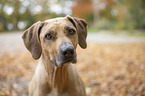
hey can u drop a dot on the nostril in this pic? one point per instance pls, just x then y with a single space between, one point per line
72 52
68 53
64 53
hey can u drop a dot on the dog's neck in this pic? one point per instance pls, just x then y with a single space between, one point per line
57 76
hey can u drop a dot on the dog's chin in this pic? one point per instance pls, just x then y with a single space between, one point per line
64 62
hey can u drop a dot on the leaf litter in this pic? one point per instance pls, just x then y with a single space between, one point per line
106 69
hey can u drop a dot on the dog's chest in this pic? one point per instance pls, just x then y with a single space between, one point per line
54 92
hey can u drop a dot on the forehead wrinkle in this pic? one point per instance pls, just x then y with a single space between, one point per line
59 25
56 25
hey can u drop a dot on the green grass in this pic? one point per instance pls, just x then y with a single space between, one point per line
137 35
129 33
93 30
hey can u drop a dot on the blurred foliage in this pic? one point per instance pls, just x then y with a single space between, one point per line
103 67
25 12
112 14
100 14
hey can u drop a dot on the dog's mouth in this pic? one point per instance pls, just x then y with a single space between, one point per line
69 60
59 60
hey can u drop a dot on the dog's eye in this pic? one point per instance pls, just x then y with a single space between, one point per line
49 36
71 31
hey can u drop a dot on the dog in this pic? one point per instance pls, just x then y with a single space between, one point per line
54 41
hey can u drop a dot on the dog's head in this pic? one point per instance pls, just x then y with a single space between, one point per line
56 38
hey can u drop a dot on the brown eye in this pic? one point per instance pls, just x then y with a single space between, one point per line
49 36
71 31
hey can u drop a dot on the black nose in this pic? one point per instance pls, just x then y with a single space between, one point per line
67 50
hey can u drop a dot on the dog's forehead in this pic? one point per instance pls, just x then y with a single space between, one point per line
55 19
58 21
55 25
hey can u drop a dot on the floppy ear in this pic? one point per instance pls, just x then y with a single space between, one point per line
81 26
32 41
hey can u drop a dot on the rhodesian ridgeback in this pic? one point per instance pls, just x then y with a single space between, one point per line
54 41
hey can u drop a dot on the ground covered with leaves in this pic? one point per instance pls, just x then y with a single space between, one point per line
106 69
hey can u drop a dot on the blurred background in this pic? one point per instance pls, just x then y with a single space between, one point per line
100 14
113 63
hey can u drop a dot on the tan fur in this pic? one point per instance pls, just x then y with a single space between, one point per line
49 80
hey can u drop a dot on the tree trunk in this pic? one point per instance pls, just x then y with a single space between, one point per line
96 13
16 5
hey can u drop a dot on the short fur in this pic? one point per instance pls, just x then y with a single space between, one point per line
55 79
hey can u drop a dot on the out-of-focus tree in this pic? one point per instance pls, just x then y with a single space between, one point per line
112 14
15 15
103 14
3 20
13 12
83 9
20 14
137 13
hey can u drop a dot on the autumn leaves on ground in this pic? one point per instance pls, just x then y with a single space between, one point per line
106 69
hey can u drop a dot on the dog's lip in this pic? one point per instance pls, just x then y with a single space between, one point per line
67 61
61 60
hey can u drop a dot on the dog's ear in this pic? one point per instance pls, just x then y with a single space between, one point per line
81 26
32 41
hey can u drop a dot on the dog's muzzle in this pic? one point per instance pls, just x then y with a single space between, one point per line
67 54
